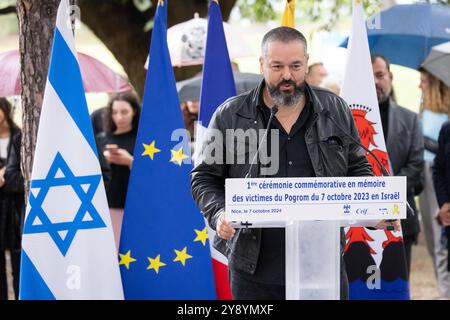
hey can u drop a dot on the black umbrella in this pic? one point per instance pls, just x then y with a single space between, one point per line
189 90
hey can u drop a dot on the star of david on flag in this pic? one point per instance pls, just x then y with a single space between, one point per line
87 217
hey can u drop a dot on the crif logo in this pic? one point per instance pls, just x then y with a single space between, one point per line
347 209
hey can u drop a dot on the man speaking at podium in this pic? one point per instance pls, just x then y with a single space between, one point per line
309 123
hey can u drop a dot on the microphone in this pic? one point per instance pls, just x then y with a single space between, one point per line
385 173
273 111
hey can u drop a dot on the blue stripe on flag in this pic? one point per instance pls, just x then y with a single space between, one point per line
215 89
35 288
65 76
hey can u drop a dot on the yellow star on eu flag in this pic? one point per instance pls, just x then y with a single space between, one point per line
150 149
182 256
201 235
178 156
155 264
126 259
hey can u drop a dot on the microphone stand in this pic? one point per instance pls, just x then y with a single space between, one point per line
273 111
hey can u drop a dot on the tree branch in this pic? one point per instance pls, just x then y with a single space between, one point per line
8 10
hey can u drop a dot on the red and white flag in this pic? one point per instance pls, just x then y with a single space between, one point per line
369 253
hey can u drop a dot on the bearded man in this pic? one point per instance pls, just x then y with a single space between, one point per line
309 144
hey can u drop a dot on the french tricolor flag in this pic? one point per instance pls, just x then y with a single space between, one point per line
217 86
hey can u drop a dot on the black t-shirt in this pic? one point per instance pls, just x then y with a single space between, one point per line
116 182
294 161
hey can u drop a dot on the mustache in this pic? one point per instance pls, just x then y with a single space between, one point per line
286 82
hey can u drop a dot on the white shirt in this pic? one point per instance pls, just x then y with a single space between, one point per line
4 147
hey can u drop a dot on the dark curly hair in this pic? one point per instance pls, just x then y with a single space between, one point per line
133 100
5 106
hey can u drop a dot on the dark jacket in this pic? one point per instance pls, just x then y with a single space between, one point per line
441 176
441 166
115 176
12 199
405 149
207 180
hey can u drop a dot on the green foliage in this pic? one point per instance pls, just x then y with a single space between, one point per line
324 12
257 10
141 5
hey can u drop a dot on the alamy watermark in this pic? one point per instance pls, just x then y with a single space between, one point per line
374 280
235 147
74 13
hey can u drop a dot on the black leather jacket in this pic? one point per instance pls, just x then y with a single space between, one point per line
328 159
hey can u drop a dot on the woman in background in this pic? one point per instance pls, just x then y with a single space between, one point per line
11 199
434 110
116 146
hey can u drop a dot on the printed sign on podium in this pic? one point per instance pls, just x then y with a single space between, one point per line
312 210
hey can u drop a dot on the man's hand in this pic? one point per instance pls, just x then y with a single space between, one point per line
2 177
223 228
444 214
384 224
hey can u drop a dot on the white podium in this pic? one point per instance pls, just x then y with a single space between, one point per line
313 210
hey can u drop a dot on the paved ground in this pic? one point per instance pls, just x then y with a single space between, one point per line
422 282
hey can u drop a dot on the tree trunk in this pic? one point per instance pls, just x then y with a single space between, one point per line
120 26
36 23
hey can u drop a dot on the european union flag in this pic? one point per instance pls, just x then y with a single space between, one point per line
164 252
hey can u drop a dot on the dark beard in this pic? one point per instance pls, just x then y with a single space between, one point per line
286 99
381 96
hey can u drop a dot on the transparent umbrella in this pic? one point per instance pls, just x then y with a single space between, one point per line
438 62
187 41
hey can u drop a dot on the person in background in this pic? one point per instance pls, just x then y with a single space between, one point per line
404 144
97 120
332 83
11 199
441 178
116 147
316 73
190 110
434 112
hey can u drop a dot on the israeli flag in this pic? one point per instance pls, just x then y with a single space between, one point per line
68 244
